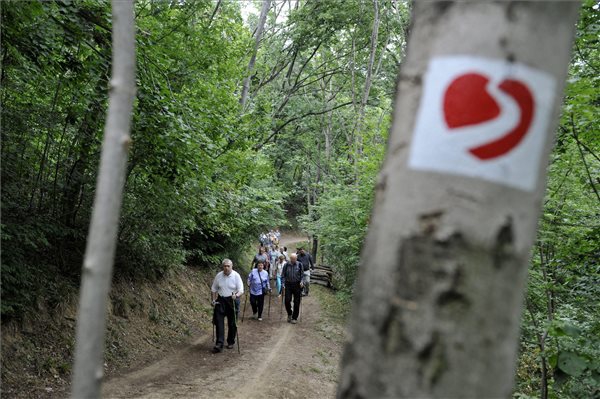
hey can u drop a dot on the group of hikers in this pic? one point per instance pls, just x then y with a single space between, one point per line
290 274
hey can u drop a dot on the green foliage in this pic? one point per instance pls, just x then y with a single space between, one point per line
310 75
563 295
341 215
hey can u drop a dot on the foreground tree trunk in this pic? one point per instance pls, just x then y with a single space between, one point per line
100 250
440 289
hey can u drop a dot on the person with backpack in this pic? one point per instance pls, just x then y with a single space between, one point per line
227 287
292 281
306 259
258 282
273 255
284 252
277 234
263 239
261 256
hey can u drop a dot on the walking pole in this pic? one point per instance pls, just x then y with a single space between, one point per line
245 301
300 307
213 321
269 311
282 298
237 333
300 303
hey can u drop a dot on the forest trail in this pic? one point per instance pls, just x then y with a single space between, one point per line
277 360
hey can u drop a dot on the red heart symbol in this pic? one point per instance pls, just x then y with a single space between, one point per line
466 102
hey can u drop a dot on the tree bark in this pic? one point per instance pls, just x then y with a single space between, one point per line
369 76
367 89
259 31
100 250
438 299
541 337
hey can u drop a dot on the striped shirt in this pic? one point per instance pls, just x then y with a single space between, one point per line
292 273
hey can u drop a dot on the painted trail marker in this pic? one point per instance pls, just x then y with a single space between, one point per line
483 118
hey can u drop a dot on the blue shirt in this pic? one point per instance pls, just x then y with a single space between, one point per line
254 282
274 254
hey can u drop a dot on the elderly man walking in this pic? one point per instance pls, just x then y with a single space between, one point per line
227 287
292 280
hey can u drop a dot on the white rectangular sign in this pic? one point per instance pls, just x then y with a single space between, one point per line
483 118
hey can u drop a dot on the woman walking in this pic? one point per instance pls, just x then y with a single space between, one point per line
258 281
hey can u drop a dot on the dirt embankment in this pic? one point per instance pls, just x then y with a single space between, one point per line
144 322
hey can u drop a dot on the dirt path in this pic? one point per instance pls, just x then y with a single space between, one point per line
277 360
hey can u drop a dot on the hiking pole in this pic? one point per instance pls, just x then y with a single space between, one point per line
300 305
269 311
237 333
282 298
244 311
214 320
213 323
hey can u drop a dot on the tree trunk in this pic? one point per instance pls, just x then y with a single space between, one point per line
259 31
438 300
541 335
369 76
367 89
100 250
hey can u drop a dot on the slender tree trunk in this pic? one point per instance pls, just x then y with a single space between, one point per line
315 197
368 78
212 16
259 31
541 337
547 283
438 299
543 377
383 50
328 134
99 254
587 169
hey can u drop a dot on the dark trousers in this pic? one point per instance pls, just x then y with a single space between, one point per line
258 303
225 308
293 290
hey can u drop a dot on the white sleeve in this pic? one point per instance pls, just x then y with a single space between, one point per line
240 284
215 286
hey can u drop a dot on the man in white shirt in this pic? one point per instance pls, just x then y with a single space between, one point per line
227 288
